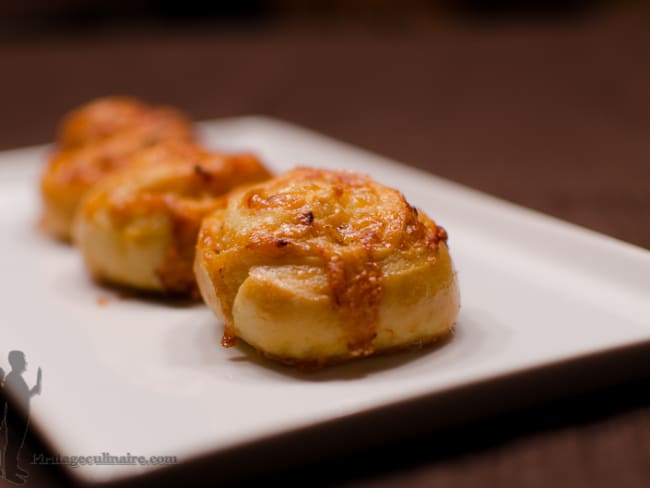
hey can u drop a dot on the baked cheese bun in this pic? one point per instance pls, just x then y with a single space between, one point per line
320 266
107 116
138 227
94 141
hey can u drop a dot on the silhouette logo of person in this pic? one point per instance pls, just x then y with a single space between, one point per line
15 417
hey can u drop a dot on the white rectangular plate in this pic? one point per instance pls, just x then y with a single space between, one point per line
151 379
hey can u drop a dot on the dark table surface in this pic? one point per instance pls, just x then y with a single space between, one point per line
554 116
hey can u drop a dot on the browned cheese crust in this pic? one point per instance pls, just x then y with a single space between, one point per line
355 230
173 185
96 140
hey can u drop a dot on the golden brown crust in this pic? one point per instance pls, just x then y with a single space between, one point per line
176 184
355 229
96 140
104 117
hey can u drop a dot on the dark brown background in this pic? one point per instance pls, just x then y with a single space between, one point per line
549 111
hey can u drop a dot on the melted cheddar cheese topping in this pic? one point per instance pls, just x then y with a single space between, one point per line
354 229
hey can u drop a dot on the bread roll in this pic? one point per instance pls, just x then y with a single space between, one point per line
138 227
94 141
318 266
